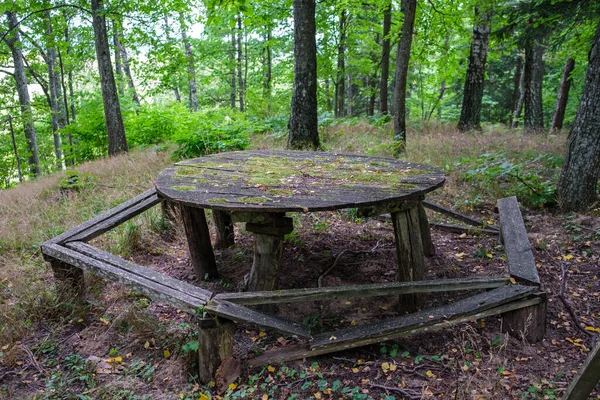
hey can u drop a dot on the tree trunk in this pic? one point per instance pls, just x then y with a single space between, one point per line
534 75
117 142
576 189
303 125
15 148
70 73
232 62
58 117
385 59
409 9
470 115
372 85
340 83
172 78
516 91
563 96
13 41
520 101
118 61
267 65
239 62
193 95
126 67
349 94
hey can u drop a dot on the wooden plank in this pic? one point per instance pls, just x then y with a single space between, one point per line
454 214
156 291
102 217
225 236
480 302
371 290
521 264
587 378
304 350
428 246
140 270
462 229
115 220
236 312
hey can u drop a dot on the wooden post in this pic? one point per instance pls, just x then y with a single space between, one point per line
198 237
587 378
268 251
167 208
428 246
215 340
527 323
224 229
69 281
409 246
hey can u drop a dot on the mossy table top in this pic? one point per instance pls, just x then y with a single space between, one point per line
288 181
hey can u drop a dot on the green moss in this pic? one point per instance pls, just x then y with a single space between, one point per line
253 200
217 201
187 171
280 192
184 188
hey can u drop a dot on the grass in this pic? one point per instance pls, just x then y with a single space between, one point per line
38 210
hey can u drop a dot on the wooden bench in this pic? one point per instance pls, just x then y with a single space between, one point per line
69 255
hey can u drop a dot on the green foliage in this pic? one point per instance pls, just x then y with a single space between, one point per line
532 180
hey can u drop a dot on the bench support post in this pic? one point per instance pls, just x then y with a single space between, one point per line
409 246
428 246
198 238
224 229
215 340
69 281
527 323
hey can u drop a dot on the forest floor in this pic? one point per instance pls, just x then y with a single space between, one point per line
124 346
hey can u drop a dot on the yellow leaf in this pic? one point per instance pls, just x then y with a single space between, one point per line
430 374
317 395
211 384
592 329
262 334
460 255
203 397
80 320
166 353
393 367
265 397
114 360
513 281
348 303
271 368
490 222
332 337
147 345
462 236
104 320
489 255
385 367
568 257
465 367
327 391
232 386
355 370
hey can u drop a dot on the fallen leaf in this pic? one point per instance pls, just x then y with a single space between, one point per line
147 345
262 334
568 257
166 353
270 368
430 374
104 321
385 367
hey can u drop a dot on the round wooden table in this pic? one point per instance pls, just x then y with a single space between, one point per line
259 187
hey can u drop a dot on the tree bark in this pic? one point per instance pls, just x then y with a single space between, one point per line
470 115
533 79
267 65
117 142
70 73
239 62
517 90
409 9
193 95
340 82
385 59
126 67
58 117
576 189
563 96
233 62
118 61
13 40
15 148
172 78
303 125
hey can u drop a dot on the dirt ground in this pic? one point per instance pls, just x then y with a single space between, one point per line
474 360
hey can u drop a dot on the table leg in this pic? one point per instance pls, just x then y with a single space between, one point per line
409 246
224 229
198 237
268 251
428 246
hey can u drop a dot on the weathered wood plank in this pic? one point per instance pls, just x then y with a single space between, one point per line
587 378
225 237
157 292
236 312
215 336
428 246
139 270
521 264
268 254
102 217
202 256
456 215
304 350
472 304
462 229
370 290
115 220
528 324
